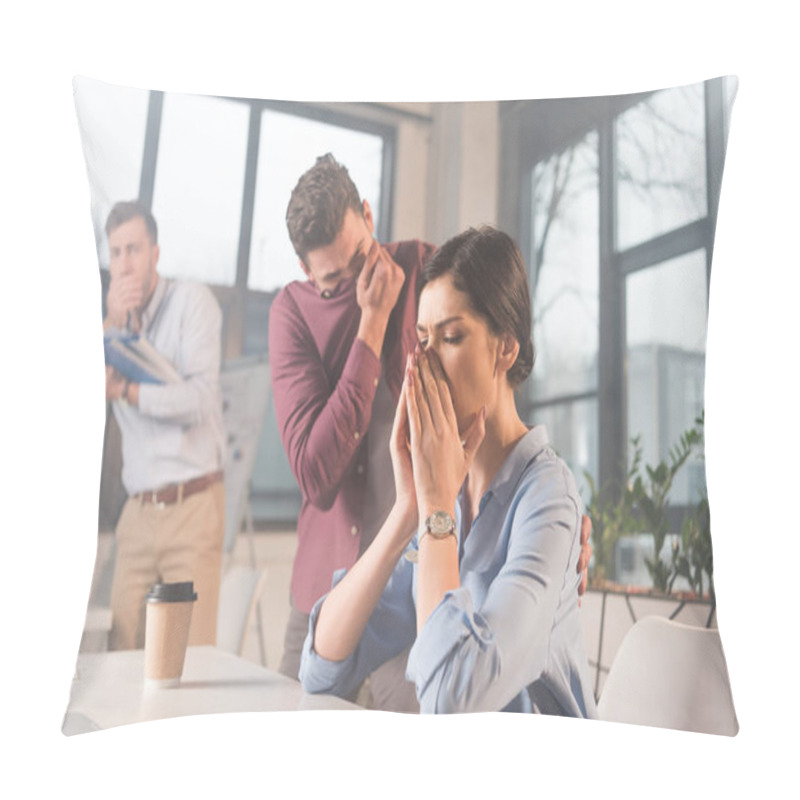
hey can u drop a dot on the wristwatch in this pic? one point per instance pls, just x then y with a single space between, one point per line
440 525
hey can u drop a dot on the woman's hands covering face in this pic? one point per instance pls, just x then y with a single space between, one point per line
400 449
440 459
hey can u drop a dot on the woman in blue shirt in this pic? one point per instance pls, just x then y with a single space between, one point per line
472 567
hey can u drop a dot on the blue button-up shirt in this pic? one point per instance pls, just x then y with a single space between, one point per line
509 638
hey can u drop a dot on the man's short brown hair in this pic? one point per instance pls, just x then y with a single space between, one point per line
318 205
125 211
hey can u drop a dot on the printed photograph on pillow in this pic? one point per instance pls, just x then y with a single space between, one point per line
528 282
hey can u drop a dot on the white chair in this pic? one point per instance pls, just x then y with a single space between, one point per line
239 593
670 675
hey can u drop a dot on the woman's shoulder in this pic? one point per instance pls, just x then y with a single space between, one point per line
544 508
546 478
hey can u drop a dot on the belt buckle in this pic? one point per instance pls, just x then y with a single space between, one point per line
152 498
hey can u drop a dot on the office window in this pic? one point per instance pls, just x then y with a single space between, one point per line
572 431
288 146
618 225
563 266
199 182
666 310
113 120
661 164
564 271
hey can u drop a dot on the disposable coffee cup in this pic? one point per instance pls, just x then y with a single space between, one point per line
167 619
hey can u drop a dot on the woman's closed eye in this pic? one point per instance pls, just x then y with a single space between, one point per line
448 338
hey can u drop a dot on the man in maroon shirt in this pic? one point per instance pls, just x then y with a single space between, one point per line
338 343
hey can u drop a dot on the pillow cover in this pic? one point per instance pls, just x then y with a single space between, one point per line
613 203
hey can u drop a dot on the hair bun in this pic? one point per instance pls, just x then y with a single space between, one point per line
523 366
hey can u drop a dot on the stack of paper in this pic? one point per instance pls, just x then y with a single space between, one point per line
135 358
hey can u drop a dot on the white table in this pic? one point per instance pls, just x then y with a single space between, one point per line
108 690
96 629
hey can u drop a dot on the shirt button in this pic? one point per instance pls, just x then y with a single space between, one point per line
375 382
356 435
354 530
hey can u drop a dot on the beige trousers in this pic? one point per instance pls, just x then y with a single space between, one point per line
177 542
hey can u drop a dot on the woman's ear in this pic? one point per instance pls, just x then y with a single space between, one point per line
507 352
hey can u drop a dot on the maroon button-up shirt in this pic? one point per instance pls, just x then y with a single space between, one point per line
323 383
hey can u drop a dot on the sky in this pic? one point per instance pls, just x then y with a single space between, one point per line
53 406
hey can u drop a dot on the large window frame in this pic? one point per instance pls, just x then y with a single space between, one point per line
234 299
533 131
246 310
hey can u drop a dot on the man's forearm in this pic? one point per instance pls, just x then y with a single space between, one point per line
322 436
321 425
187 402
372 331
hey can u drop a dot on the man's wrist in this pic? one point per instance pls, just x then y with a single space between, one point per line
132 394
372 330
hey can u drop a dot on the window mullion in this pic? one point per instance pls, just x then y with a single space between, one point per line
611 366
150 155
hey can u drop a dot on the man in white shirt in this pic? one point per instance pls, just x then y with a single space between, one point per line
172 525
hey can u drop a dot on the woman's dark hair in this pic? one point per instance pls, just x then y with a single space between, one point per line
487 266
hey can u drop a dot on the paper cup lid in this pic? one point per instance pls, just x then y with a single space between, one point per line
181 592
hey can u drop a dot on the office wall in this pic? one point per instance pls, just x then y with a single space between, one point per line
446 169
448 172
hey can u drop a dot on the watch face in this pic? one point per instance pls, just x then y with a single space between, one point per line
440 523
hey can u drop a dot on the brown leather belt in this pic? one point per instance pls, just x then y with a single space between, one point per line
179 491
